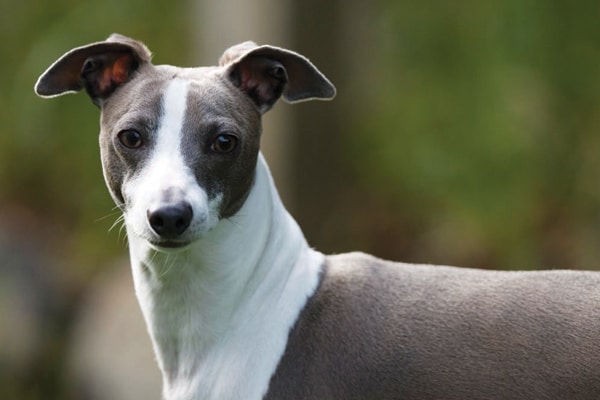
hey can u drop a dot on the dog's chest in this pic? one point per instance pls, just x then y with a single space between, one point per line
205 347
223 340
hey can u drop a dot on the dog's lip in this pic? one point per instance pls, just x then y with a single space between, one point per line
169 244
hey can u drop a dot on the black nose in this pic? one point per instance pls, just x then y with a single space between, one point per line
170 221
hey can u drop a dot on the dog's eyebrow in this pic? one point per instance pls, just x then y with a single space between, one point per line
140 122
214 124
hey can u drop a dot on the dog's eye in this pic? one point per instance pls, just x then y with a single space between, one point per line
224 143
130 138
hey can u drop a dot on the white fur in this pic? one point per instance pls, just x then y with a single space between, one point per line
166 169
218 311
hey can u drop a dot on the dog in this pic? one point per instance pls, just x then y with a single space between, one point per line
239 306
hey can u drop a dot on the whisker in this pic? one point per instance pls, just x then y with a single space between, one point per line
123 236
154 254
166 267
233 221
119 220
111 214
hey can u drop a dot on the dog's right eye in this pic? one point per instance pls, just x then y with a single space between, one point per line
130 138
224 143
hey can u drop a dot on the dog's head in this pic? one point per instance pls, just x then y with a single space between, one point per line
179 146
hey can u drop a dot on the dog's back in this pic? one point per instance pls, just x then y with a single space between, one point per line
380 330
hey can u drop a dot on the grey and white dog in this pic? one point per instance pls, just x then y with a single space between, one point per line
238 305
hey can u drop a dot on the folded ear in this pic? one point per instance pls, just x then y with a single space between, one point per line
98 67
265 73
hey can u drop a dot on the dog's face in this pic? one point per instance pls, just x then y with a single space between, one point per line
179 137
180 145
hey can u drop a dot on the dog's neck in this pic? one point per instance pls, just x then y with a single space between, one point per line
219 312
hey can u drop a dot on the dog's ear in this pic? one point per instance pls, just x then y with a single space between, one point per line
265 73
98 67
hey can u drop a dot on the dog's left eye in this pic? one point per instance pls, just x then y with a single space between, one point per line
130 138
224 143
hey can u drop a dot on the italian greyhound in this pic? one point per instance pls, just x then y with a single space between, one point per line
238 306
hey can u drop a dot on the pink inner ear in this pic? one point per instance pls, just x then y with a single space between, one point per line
120 69
253 78
116 74
252 83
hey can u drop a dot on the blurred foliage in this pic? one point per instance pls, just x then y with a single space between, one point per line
482 121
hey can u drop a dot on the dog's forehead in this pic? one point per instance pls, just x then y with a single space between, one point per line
209 96
204 85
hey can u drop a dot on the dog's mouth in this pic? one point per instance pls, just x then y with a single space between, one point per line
169 245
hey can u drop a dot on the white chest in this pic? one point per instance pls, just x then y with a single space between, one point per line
229 350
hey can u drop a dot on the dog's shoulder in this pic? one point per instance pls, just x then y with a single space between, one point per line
359 273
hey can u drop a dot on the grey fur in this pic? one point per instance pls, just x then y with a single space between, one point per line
382 330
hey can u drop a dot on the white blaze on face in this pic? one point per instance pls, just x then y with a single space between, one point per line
166 171
168 140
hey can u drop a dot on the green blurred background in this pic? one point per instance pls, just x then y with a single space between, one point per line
464 133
